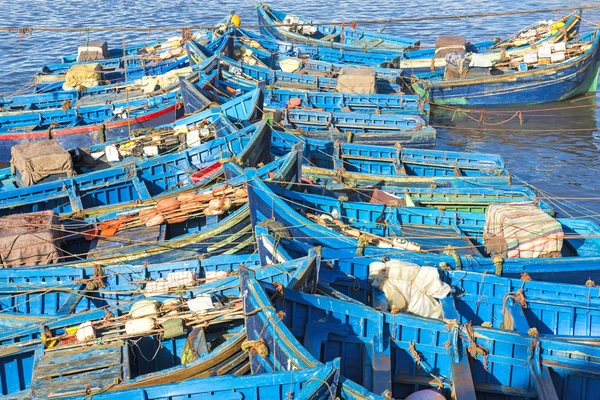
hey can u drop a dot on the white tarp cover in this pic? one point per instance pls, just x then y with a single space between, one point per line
409 287
522 230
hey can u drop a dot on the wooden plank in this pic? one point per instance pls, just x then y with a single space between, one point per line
519 320
69 363
540 373
70 304
462 377
140 187
77 384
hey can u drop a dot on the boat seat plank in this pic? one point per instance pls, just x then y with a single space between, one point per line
436 238
77 384
71 303
62 363
73 370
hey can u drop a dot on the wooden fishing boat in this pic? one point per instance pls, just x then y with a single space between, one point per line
543 83
388 160
363 128
458 248
208 342
116 94
383 161
403 353
281 350
451 199
278 99
143 49
186 224
326 35
142 179
310 384
52 77
34 118
522 42
556 310
38 293
270 52
275 77
103 123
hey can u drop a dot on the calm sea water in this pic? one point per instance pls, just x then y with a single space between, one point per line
554 147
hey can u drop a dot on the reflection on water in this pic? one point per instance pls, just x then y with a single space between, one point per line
555 147
551 146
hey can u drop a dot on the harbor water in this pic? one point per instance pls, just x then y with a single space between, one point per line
554 147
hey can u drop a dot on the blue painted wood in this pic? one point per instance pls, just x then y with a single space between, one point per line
231 68
388 160
559 310
125 182
329 35
298 273
51 77
285 351
266 204
419 354
543 84
309 384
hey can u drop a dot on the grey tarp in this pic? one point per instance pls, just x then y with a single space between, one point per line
30 239
39 159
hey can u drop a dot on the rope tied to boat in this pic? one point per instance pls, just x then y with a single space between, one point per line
256 347
387 395
67 104
475 348
590 283
278 288
50 129
498 261
451 251
525 277
415 355
439 383
96 281
280 314
533 332
363 240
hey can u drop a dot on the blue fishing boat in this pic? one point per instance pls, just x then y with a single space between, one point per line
138 49
536 35
388 160
314 81
427 243
296 29
314 58
52 77
452 199
309 384
403 353
187 224
63 362
83 128
115 94
283 350
363 128
280 99
556 310
58 291
518 83
142 178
